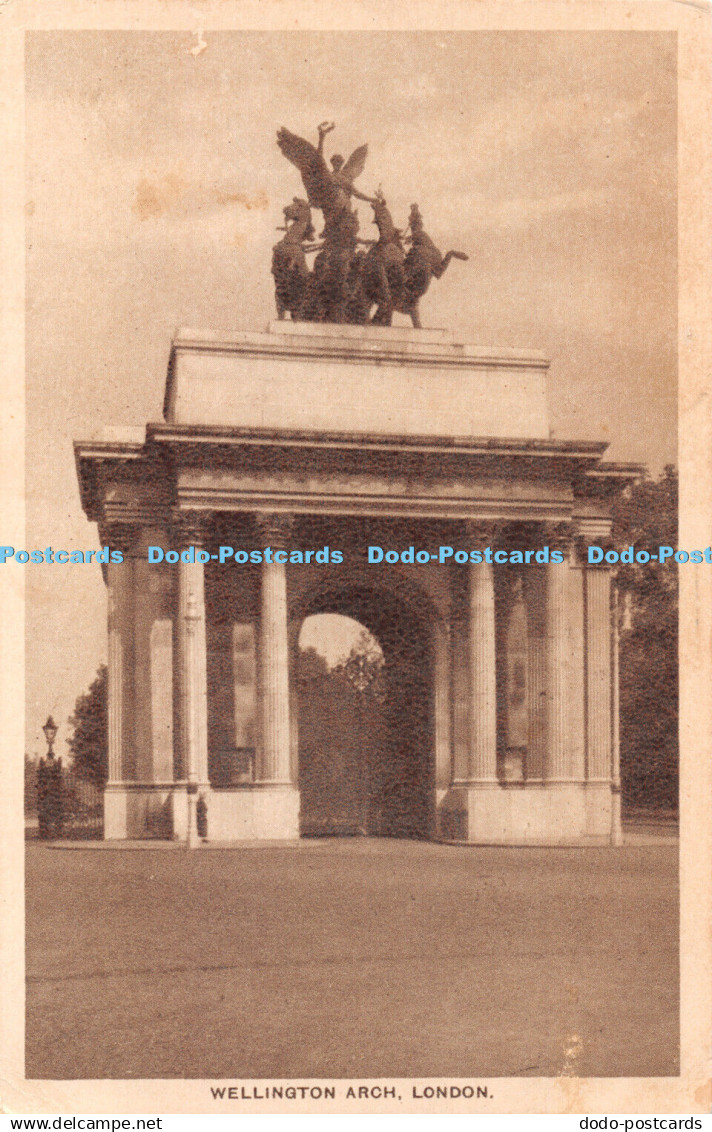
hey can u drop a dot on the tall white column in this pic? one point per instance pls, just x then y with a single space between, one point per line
116 582
481 652
443 745
537 714
192 667
274 762
557 768
460 676
598 674
616 827
119 585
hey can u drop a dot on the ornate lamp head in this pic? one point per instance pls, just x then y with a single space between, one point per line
50 731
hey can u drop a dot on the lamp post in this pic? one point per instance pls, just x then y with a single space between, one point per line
50 730
49 787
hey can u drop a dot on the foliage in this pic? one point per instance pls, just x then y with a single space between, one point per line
361 671
312 665
30 785
363 667
646 518
89 740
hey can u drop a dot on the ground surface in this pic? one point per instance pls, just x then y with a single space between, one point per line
352 958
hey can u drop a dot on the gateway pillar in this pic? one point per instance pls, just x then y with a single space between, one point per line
276 804
557 767
467 813
192 672
483 690
119 686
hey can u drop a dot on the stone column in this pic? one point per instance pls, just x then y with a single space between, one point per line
598 673
537 700
119 595
120 691
481 652
616 827
153 617
460 675
557 767
274 762
192 677
483 705
443 745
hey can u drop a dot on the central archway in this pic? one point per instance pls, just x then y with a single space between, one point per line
379 779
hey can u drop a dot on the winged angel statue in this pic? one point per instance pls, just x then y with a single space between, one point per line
347 282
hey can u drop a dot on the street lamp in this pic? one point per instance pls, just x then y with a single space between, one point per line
49 787
50 730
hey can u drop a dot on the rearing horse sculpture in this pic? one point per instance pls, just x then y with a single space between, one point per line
393 280
422 263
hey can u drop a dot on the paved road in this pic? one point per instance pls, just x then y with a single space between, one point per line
352 958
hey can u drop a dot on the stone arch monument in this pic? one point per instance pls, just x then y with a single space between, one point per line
314 435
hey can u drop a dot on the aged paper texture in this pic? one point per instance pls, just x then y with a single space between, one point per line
428 895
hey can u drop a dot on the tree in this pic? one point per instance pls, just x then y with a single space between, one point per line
645 517
312 665
30 785
362 668
89 740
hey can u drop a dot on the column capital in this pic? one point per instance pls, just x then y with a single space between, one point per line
558 536
582 541
274 528
121 536
190 527
484 532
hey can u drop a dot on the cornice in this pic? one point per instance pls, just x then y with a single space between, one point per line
584 452
403 347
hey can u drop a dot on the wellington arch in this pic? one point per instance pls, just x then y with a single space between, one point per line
503 678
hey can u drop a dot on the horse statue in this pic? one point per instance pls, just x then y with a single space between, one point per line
382 273
422 263
289 261
394 280
334 277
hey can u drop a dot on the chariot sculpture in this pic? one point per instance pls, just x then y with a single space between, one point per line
348 283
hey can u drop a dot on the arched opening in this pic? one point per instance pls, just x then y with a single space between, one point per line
365 716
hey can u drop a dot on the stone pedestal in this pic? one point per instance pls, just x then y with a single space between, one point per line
321 376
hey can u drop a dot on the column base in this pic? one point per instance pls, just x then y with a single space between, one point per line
254 813
551 813
616 817
134 811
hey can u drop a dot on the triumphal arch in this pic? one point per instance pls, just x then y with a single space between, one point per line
283 459
314 436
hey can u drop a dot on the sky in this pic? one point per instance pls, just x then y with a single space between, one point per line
155 187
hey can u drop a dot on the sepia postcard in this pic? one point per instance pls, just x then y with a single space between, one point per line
356 557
